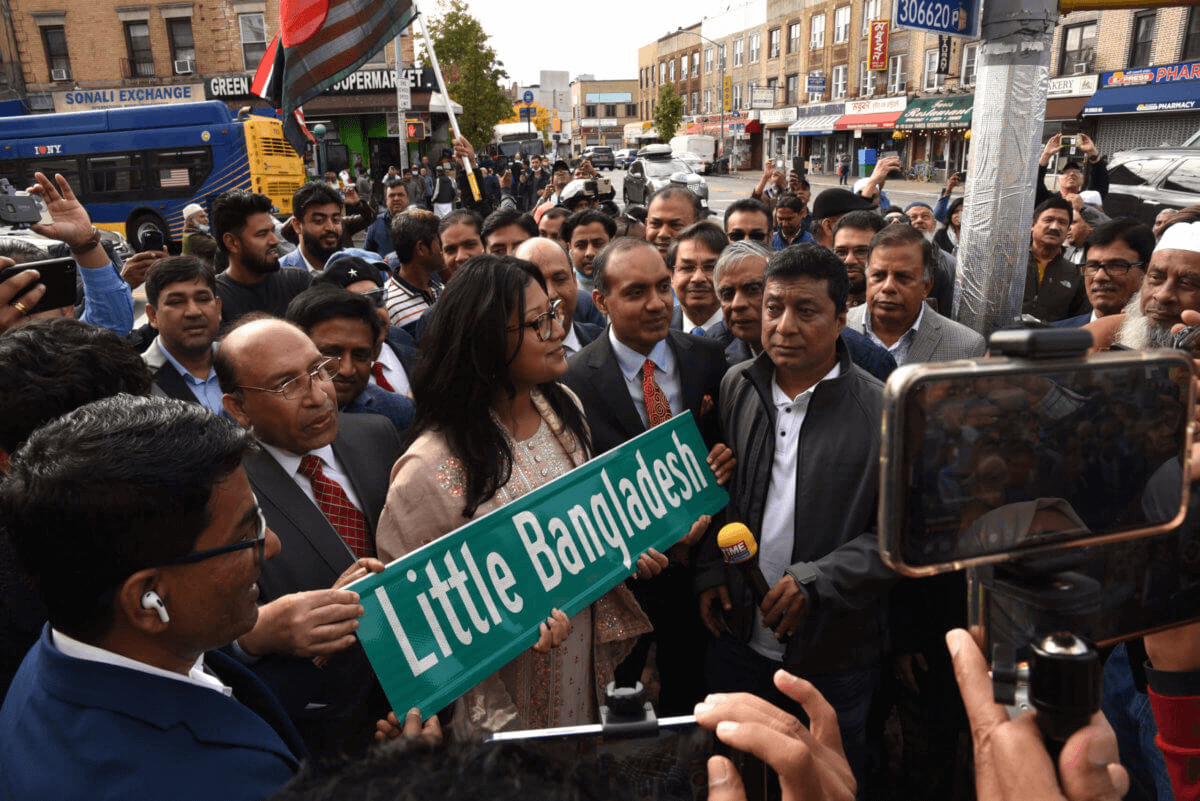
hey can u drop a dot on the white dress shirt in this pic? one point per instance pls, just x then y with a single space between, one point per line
393 371
290 463
899 348
666 373
69 646
571 342
690 325
779 519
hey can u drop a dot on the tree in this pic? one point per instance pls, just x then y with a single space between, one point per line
668 113
473 73
541 119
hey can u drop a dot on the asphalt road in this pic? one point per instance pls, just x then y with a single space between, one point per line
725 189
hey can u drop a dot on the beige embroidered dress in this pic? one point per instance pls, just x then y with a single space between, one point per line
562 688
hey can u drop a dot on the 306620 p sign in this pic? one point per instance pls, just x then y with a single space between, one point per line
947 17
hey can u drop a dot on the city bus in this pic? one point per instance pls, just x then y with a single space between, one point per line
135 169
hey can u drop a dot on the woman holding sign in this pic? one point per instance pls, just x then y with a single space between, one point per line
493 424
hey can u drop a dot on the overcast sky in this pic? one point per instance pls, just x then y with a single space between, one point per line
600 38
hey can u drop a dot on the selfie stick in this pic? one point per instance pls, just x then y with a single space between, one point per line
437 71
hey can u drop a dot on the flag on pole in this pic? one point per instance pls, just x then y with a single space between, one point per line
319 43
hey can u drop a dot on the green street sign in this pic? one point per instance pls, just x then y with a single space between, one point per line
446 616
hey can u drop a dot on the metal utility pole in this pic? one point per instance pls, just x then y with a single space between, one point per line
1006 130
403 101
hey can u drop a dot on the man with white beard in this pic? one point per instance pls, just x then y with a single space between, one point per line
1171 286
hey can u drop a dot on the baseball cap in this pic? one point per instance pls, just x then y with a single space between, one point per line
835 202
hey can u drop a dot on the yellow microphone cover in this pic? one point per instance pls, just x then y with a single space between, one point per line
736 542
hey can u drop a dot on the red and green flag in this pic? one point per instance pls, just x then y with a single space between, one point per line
319 43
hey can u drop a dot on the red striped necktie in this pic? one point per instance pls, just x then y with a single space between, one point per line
344 516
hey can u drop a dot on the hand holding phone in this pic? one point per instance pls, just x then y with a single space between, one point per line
55 276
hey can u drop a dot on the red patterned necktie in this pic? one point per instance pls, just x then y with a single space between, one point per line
657 408
380 381
344 516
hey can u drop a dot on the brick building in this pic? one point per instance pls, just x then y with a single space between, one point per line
601 110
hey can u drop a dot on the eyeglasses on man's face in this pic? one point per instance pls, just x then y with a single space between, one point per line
301 385
258 541
1115 268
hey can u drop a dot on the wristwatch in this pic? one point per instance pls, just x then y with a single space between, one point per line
92 242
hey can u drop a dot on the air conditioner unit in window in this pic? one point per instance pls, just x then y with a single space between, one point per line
1079 68
185 67
60 75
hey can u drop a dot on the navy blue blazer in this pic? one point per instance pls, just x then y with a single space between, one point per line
718 331
70 729
586 311
376 400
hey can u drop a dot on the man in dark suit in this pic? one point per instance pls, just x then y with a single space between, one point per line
321 479
551 258
634 376
153 564
182 305
691 259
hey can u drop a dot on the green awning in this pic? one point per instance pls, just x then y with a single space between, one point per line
937 112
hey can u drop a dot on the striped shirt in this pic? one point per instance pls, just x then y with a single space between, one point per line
406 303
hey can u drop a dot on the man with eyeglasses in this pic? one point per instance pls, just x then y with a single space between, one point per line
852 235
748 219
321 479
153 566
344 325
550 257
1170 287
1115 256
691 258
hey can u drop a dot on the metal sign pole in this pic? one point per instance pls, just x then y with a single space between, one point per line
401 108
437 71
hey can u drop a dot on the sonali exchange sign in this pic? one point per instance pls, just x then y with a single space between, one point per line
448 615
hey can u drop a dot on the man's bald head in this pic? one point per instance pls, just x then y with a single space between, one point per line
551 258
267 370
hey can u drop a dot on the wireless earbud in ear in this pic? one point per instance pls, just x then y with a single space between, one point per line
151 601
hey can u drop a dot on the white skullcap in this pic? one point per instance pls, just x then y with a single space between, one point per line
192 209
1181 236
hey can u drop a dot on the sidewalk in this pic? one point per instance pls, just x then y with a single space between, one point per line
818 182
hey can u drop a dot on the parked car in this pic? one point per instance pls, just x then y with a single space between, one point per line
601 157
692 160
655 168
624 157
1144 181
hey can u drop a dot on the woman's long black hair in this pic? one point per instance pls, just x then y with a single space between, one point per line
464 361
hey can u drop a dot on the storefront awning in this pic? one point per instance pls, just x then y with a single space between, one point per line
1064 108
1164 97
813 126
937 112
753 126
868 122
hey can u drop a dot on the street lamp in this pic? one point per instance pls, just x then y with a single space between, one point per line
319 132
721 91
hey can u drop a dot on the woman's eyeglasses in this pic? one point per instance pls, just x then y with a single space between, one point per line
543 324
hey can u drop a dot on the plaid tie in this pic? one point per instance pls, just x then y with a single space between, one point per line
380 381
657 408
344 516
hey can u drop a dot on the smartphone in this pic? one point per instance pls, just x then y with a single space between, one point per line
151 240
889 154
1069 141
998 459
58 276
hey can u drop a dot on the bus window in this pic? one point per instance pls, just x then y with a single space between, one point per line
121 173
182 170
68 167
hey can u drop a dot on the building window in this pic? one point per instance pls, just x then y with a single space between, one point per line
816 39
1079 47
839 82
695 102
708 60
932 79
662 72
696 64
1191 36
755 47
773 43
254 39
1141 52
137 43
793 90
684 104
970 64
739 52
870 12
896 82
867 80
631 109
737 96
589 111
815 97
183 47
671 70
54 39
841 25
610 110
708 101
794 37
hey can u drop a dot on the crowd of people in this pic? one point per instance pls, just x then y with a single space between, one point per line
186 501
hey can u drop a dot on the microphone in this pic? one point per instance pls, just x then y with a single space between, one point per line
740 549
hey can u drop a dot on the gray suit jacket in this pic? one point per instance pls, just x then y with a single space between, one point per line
939 339
334 707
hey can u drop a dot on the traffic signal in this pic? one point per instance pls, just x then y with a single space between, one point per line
416 129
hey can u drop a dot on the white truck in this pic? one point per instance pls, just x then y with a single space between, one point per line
701 145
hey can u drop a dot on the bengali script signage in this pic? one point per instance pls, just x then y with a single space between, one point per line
878 59
448 615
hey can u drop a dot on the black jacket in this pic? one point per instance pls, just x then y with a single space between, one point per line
836 495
